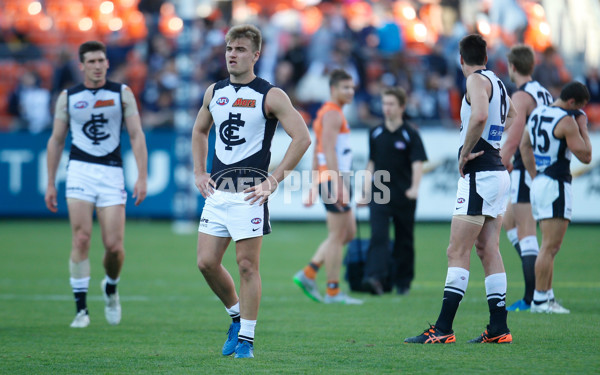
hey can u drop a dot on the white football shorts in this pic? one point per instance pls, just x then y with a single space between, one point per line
229 215
100 184
551 198
520 183
483 193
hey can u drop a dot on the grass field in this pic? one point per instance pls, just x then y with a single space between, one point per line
172 323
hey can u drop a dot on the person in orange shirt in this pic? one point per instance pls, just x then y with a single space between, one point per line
333 161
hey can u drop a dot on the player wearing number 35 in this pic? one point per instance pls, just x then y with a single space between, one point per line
483 191
553 133
245 110
94 112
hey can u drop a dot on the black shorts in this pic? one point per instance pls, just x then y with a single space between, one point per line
326 196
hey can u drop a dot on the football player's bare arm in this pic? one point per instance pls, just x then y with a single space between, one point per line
56 145
523 104
278 105
133 123
527 154
478 88
577 140
332 124
200 133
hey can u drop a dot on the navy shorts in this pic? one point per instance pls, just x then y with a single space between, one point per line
326 197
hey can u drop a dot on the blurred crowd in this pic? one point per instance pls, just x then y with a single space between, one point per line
299 50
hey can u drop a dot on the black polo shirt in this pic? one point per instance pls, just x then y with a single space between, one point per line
395 152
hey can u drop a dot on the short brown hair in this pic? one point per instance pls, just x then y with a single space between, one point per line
250 32
398 92
338 75
91 46
522 57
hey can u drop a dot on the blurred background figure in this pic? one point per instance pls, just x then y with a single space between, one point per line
548 72
395 147
30 104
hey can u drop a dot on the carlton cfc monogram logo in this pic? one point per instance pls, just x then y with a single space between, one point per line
229 128
93 129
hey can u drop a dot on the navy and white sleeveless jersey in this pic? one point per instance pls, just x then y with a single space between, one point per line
552 156
542 97
244 133
492 132
95 121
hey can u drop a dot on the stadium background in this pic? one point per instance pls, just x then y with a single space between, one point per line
172 323
169 52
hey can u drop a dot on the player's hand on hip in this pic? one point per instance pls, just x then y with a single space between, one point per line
260 193
464 159
205 184
343 195
361 203
139 191
412 194
507 164
309 200
50 199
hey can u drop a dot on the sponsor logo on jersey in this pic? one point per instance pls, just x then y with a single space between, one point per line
104 103
81 104
400 145
256 220
542 161
222 100
495 133
460 200
247 103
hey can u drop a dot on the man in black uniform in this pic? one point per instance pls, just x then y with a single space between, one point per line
396 149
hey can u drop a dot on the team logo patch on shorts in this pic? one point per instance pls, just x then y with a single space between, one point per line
222 100
256 220
460 200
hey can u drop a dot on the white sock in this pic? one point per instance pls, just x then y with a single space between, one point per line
247 330
529 246
495 287
551 294
80 285
112 281
234 311
457 280
540 297
512 236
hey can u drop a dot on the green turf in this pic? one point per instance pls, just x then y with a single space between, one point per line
172 323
